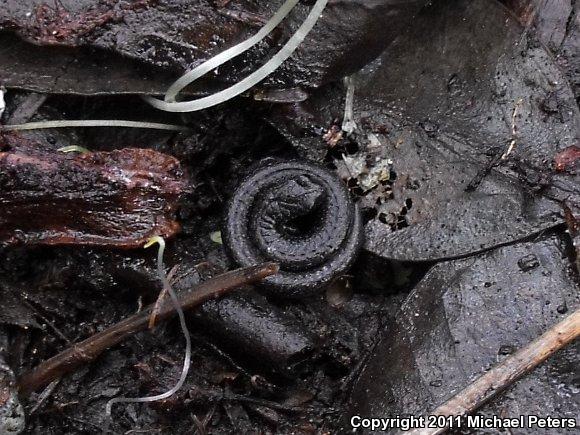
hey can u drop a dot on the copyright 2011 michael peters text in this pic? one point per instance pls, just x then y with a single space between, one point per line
406 423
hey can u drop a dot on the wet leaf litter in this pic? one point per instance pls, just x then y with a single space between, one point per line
457 143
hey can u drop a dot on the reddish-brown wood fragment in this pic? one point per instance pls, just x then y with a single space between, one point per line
119 198
567 158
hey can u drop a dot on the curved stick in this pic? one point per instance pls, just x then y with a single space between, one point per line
89 349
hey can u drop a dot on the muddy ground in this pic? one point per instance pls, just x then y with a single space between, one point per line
471 248
60 295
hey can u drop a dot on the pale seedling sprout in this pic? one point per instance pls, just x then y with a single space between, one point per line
187 360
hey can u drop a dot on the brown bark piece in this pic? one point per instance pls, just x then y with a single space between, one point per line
119 198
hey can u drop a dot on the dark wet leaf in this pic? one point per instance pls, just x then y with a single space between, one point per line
482 85
471 111
556 23
62 70
463 318
175 35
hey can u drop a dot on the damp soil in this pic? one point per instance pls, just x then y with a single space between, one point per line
464 161
259 363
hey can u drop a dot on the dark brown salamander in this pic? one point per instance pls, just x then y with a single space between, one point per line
299 215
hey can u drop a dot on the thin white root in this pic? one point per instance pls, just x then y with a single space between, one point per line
514 128
187 359
2 103
348 122
91 123
74 149
229 54
253 79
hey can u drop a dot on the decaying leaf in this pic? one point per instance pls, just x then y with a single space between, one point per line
176 35
463 318
458 104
